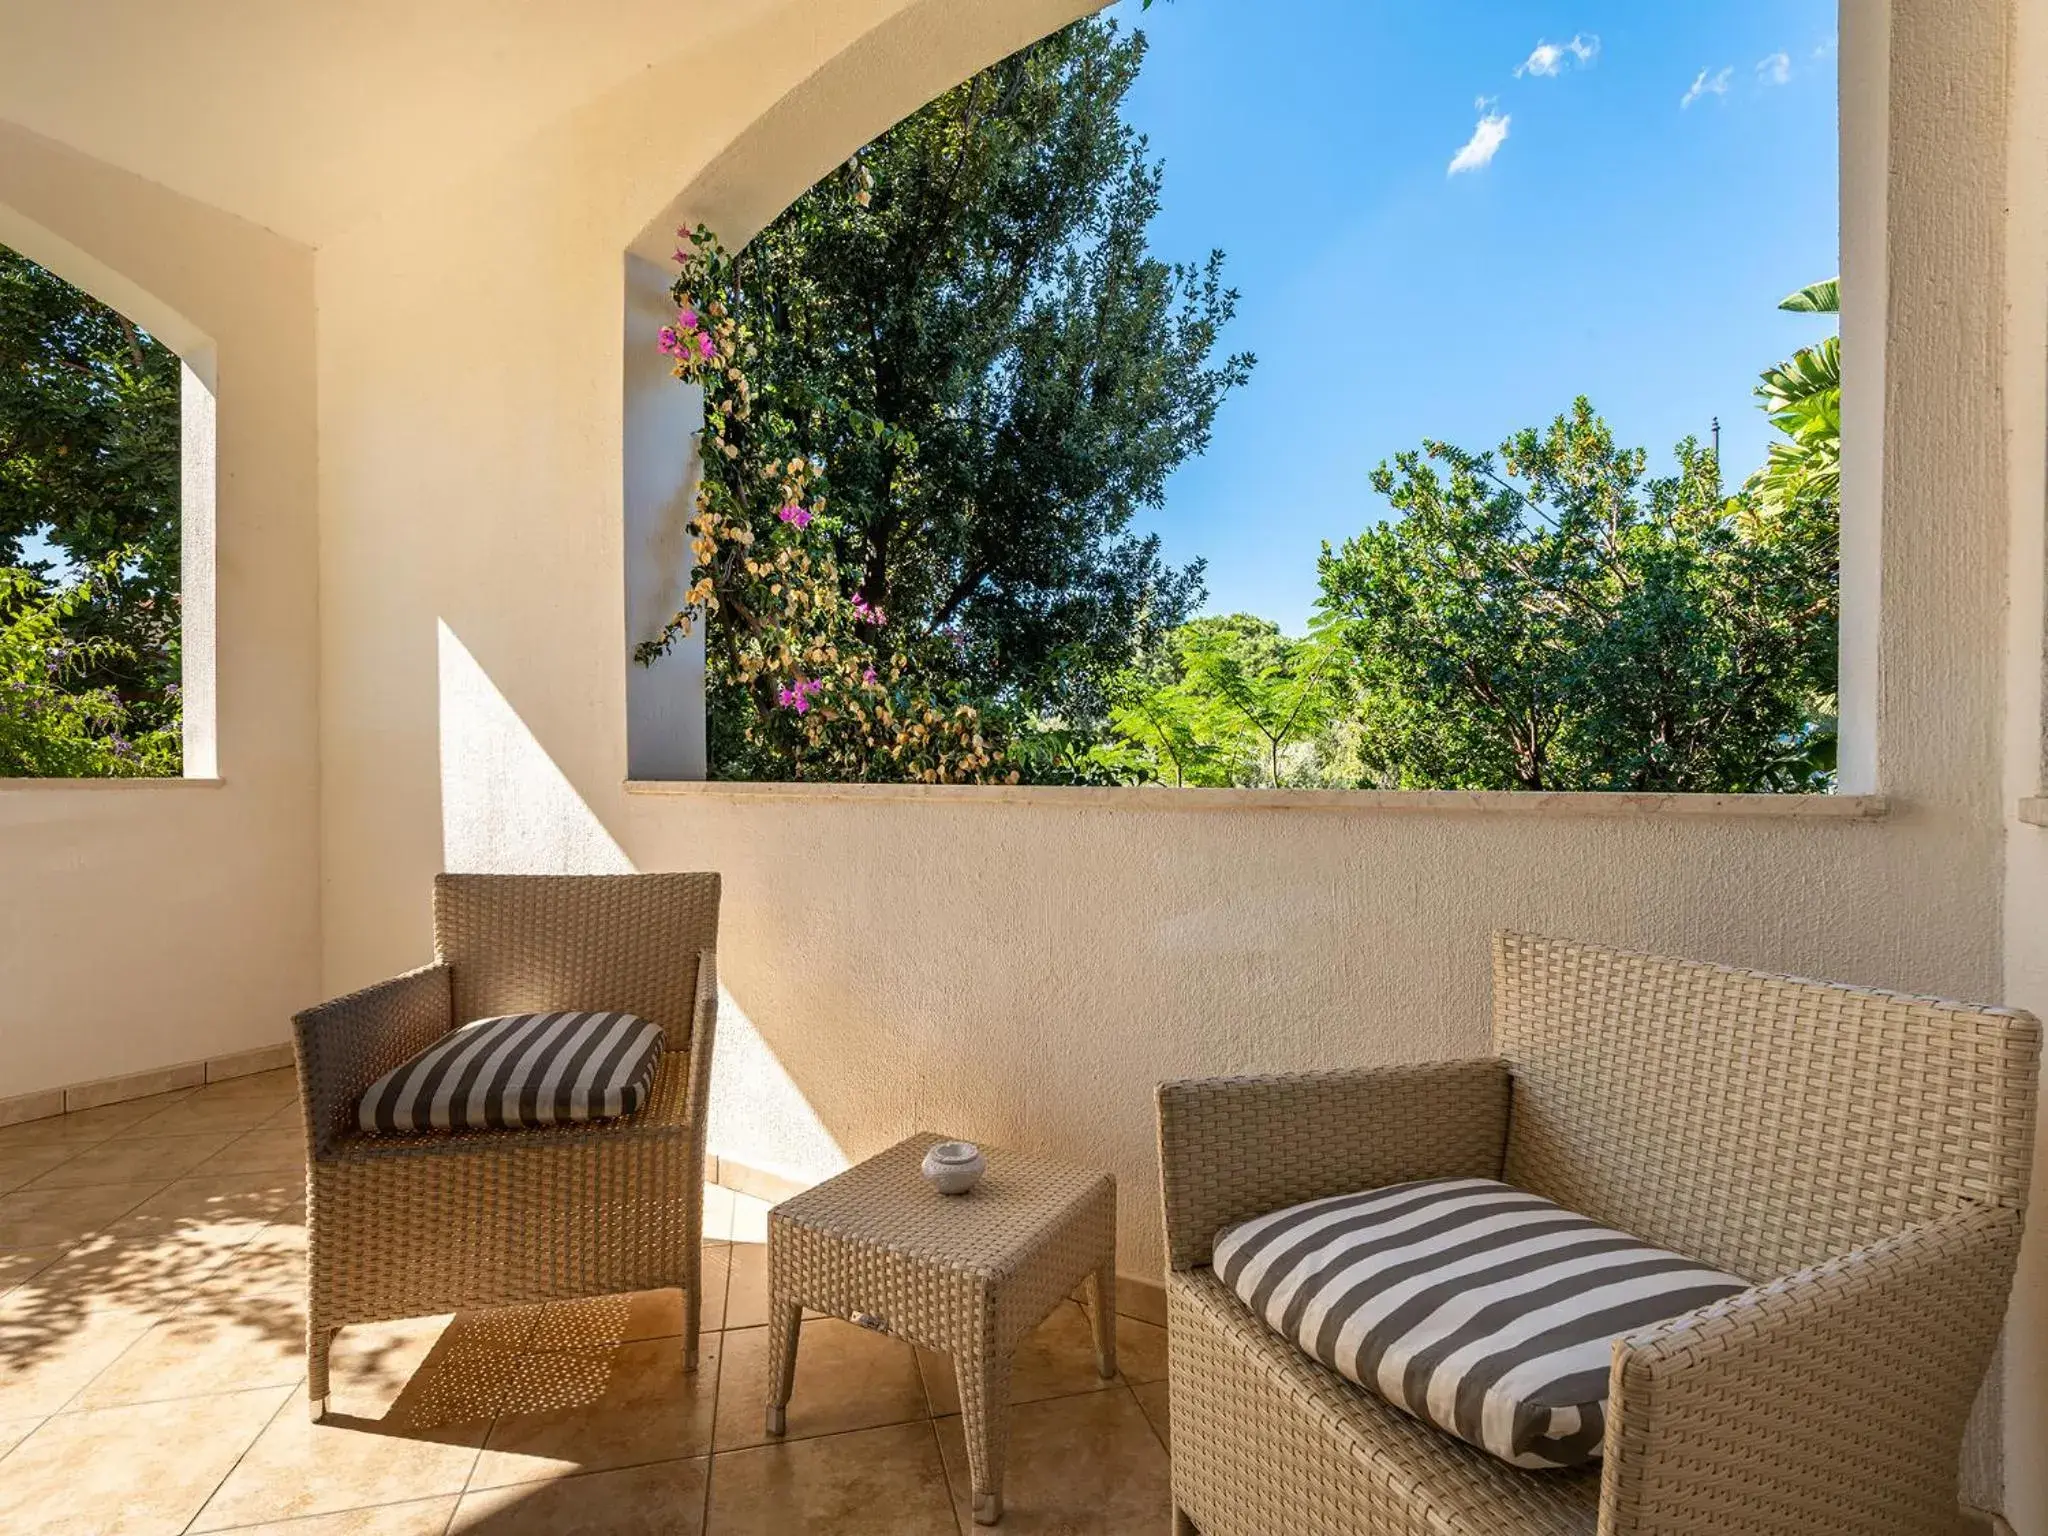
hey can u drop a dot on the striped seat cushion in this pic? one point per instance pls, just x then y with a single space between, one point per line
1478 1308
524 1069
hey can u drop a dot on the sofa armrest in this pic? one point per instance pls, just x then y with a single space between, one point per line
1235 1147
345 1045
1834 1400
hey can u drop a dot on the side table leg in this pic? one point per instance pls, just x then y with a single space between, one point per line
985 1425
784 1319
1102 1314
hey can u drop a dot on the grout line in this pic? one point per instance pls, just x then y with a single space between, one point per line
289 1394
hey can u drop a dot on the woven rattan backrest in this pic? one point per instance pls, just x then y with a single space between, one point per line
527 943
1755 1122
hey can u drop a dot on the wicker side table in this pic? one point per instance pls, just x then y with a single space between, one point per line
968 1275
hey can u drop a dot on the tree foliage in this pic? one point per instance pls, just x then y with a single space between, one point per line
964 333
53 722
1553 617
89 461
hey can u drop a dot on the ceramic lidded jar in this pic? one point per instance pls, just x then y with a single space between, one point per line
954 1167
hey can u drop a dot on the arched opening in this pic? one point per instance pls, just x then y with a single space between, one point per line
106 523
1102 666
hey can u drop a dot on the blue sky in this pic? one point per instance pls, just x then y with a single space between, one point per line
1655 193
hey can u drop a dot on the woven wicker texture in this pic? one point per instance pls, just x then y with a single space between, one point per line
1234 1148
405 1226
1872 1150
968 1275
1757 1123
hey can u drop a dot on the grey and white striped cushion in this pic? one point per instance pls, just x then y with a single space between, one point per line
1486 1311
523 1069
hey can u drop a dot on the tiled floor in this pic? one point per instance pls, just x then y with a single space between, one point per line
152 1377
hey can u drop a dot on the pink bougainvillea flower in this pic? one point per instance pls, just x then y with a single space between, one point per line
687 318
868 677
868 612
796 516
706 347
798 696
671 343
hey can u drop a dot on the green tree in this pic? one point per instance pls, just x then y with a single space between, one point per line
1226 701
53 723
965 332
1553 617
89 461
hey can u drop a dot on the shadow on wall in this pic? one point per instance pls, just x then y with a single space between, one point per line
507 808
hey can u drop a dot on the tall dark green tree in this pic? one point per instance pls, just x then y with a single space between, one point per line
966 327
89 460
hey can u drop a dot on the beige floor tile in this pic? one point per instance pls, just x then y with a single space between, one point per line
202 1116
1140 1351
87 1126
717 1213
18 1266
420 1517
877 1482
48 1218
274 1260
1153 1399
14 1431
428 1373
210 1210
24 1165
1089 1463
267 1149
48 1359
279 1085
133 1471
1055 1360
598 1322
155 1276
587 1411
297 1467
207 1351
746 1292
666 1499
134 1162
846 1378
749 1220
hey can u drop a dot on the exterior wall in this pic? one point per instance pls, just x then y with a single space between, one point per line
146 924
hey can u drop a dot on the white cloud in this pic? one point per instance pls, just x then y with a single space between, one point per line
1774 69
1709 83
1549 59
1484 144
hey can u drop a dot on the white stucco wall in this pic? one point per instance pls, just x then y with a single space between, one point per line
2026 726
148 924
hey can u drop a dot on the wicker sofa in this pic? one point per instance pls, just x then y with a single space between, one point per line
405 1226
1861 1156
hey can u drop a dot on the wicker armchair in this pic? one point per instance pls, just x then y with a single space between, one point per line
1861 1156
403 1226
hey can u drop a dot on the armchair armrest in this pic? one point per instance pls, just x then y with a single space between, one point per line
703 1029
345 1045
1834 1400
1235 1147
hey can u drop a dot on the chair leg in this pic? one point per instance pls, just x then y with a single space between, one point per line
693 1314
1102 1316
785 1319
319 1339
